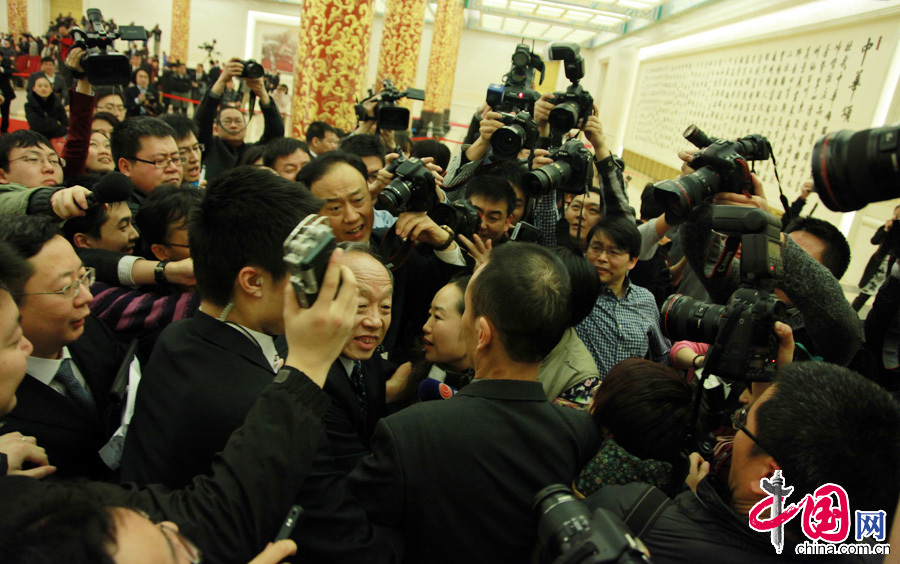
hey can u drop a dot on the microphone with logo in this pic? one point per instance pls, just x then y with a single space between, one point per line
431 389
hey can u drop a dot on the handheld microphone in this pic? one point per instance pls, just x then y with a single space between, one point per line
112 187
431 389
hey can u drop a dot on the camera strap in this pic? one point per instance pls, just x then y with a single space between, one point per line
723 265
641 517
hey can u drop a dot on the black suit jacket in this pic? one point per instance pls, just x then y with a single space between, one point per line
67 432
349 428
201 381
458 476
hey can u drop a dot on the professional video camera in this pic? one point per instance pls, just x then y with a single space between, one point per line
413 189
103 65
741 335
520 131
388 114
852 169
572 170
573 536
252 69
576 103
720 166
515 94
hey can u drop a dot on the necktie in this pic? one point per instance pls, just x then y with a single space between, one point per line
359 385
74 389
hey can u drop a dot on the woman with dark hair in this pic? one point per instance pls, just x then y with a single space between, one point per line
643 411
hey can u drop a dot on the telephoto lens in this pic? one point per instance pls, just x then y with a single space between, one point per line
549 177
679 196
564 116
852 169
686 319
507 141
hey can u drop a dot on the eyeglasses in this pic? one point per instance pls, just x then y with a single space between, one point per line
163 163
739 422
177 245
40 161
188 549
70 291
610 252
231 121
198 148
111 108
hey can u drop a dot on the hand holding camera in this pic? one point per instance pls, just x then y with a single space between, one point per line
593 131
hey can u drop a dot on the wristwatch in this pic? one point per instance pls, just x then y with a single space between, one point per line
159 273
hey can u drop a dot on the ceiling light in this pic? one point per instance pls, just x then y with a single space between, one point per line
494 3
579 16
535 29
513 25
557 32
522 6
548 12
603 20
634 4
491 22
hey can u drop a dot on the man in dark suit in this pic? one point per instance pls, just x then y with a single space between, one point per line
356 381
56 80
64 400
458 476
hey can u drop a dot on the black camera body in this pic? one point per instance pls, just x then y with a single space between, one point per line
743 343
103 65
852 169
575 104
388 115
720 166
252 69
572 170
572 535
520 131
411 189
515 94
460 216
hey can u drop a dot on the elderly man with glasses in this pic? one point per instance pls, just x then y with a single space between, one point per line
65 400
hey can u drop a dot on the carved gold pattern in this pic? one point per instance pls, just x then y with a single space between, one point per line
444 48
17 12
181 28
399 57
331 63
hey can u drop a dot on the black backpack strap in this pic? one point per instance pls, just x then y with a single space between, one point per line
646 510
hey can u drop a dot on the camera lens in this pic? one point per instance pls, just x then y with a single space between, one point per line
677 197
560 516
696 137
685 319
394 196
460 216
542 180
507 141
852 169
252 69
564 117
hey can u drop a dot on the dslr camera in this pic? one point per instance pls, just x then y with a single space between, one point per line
252 69
519 132
103 65
413 189
852 169
515 94
720 166
388 114
572 170
741 334
572 535
575 104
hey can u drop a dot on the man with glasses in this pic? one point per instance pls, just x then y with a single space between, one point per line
223 129
64 401
144 150
189 148
30 175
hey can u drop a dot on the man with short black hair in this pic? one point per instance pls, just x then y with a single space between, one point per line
145 151
57 80
189 148
223 129
321 138
286 156
495 201
107 227
500 429
822 241
848 435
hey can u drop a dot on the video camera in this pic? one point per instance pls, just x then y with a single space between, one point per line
741 335
388 114
720 166
575 104
573 536
572 170
413 189
520 131
852 169
515 94
103 65
306 253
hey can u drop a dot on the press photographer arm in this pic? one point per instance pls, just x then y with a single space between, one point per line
81 113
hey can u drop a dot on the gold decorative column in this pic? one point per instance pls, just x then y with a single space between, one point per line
399 57
181 28
331 63
442 64
17 12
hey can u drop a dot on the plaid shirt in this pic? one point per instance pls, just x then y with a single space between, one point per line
627 327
